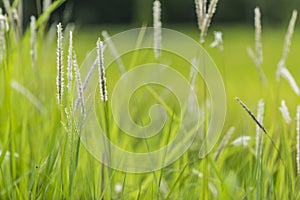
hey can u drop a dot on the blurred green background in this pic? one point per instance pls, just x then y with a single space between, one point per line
90 12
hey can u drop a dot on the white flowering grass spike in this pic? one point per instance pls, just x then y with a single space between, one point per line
218 42
59 52
259 138
282 71
285 112
70 61
101 70
157 28
258 43
298 140
33 51
207 19
241 141
3 30
200 6
257 57
289 35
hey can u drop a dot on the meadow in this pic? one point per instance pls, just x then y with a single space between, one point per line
42 157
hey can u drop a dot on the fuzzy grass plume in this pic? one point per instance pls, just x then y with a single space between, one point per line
101 70
257 57
218 42
282 70
4 27
33 51
59 64
70 61
289 35
285 112
157 28
207 19
259 138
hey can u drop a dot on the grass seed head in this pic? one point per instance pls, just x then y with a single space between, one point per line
285 112
289 35
59 59
258 43
33 51
157 28
101 70
207 19
70 61
259 138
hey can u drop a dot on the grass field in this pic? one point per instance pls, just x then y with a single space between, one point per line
41 160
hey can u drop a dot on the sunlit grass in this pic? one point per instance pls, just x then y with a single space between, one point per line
43 169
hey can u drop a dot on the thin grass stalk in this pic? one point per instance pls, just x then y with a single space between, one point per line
79 85
259 147
224 142
46 5
28 95
259 142
259 138
114 52
104 98
298 140
251 114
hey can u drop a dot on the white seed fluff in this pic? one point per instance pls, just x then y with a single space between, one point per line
59 59
70 61
259 138
289 35
218 42
157 25
285 112
282 71
258 43
207 19
101 70
33 51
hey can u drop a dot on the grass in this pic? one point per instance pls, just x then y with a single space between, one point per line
53 164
